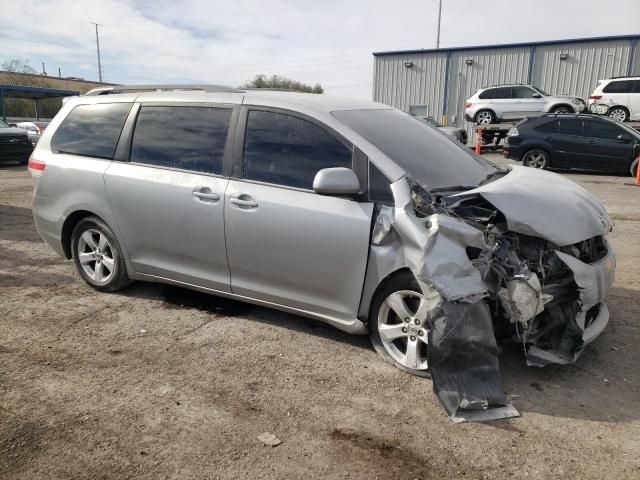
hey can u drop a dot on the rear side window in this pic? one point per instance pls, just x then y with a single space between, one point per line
620 86
287 150
91 130
570 126
598 129
503 92
188 138
488 93
548 127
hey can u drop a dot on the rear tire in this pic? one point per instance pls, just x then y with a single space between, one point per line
97 255
536 158
396 337
485 117
633 169
620 114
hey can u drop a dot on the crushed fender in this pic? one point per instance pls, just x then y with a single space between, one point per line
486 274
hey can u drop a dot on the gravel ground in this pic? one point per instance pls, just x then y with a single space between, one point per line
159 382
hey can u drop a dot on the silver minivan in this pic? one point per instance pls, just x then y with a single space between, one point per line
342 210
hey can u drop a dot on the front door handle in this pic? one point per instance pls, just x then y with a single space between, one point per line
205 193
243 200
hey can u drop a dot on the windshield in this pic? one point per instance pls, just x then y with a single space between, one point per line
542 91
428 157
3 125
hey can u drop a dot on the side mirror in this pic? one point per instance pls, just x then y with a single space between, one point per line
536 95
624 138
336 181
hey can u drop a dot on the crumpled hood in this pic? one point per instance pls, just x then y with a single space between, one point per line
545 205
12 131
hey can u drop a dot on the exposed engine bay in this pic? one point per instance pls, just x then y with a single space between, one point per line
493 273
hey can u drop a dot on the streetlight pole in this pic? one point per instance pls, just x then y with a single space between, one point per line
439 20
98 47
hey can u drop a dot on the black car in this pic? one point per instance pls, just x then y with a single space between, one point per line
584 142
15 145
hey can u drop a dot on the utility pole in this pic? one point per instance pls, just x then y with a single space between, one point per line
439 20
98 47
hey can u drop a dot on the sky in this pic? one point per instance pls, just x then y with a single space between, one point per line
326 42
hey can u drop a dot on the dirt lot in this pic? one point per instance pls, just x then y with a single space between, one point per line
159 382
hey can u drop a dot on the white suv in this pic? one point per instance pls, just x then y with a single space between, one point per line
618 98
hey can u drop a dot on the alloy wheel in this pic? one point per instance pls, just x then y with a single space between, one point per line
535 159
403 328
618 114
484 118
96 255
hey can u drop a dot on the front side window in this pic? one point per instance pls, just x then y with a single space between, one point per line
620 86
523 92
570 126
604 130
91 130
187 138
287 150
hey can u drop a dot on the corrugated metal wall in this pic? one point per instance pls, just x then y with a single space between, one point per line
424 83
585 65
488 67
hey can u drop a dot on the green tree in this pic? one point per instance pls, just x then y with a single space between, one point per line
276 81
18 65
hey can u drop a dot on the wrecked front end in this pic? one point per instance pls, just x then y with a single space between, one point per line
524 256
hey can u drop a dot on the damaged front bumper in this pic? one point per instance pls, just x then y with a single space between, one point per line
485 260
592 282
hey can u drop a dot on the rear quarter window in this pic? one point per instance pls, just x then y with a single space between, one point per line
91 130
620 86
487 94
548 127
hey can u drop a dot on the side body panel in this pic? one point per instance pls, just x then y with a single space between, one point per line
168 230
297 248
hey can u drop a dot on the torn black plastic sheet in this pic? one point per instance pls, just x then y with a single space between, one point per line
462 353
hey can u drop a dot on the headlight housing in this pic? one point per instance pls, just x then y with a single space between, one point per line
513 132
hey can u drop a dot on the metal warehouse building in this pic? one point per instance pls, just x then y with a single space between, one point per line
437 82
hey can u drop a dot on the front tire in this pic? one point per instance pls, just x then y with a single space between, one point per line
97 255
620 114
397 324
562 109
536 158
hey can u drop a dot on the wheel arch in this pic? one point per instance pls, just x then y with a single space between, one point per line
560 105
619 106
375 279
69 224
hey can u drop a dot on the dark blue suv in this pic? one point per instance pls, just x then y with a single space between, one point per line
585 142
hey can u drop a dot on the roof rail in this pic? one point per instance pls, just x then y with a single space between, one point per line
624 76
161 88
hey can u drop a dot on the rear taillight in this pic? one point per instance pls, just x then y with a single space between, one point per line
595 97
35 164
467 105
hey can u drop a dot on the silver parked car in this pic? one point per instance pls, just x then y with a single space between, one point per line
34 129
514 102
342 210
